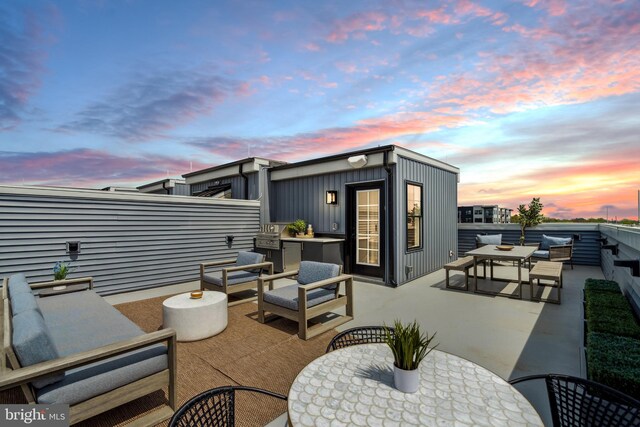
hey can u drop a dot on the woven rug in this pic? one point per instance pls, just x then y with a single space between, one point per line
247 352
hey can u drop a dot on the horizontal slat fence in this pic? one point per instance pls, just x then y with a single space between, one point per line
128 241
586 251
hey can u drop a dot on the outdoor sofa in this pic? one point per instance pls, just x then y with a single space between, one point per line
72 347
555 249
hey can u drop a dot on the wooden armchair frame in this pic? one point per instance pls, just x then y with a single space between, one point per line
231 289
14 375
560 253
304 313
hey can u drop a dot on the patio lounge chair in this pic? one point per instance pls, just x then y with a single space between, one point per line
488 239
240 274
215 407
359 335
555 249
577 402
315 293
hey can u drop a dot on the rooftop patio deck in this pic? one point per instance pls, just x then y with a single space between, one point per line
507 336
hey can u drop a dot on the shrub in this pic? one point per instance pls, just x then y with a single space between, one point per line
598 285
609 312
614 361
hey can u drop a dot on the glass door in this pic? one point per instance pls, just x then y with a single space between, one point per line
366 229
368 226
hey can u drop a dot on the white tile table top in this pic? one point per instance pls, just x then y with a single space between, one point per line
354 386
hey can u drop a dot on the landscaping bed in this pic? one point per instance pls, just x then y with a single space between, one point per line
612 337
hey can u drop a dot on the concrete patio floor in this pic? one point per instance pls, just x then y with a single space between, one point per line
508 336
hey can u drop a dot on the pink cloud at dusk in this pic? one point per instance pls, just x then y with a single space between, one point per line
90 168
356 24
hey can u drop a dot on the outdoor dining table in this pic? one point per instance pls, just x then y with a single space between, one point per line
518 254
354 386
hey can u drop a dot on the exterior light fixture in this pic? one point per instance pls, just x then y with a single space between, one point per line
332 197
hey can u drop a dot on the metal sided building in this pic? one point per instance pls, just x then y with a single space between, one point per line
244 179
396 209
173 186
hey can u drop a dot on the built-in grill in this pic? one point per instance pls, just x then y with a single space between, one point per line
270 235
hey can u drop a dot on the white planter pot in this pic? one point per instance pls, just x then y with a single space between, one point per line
406 381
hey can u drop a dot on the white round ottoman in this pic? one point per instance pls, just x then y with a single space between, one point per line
195 319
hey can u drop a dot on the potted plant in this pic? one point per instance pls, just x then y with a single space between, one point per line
529 216
297 227
60 271
409 347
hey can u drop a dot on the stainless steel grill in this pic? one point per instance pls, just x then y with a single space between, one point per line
270 235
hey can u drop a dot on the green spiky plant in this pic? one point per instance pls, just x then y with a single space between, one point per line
408 344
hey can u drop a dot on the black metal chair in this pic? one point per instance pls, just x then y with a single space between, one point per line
359 335
215 407
577 402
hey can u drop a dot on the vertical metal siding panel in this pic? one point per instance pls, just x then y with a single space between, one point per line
304 198
439 219
126 244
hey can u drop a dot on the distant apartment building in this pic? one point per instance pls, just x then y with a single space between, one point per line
484 214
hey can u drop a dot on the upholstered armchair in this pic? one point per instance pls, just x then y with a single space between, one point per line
240 274
316 292
555 249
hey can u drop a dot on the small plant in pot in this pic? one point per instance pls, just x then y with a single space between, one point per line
298 226
409 346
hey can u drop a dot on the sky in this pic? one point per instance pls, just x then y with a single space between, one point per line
529 98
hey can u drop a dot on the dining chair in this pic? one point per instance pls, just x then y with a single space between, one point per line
577 402
215 407
359 335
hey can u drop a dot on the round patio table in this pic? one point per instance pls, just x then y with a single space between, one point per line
354 386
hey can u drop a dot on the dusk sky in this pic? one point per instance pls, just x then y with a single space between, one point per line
531 98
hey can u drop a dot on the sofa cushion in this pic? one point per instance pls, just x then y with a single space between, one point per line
489 239
22 302
247 258
287 296
97 378
541 254
83 321
233 278
18 284
33 343
311 272
548 241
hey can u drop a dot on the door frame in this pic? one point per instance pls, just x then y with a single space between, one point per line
351 229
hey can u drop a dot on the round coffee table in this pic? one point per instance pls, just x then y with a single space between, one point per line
195 319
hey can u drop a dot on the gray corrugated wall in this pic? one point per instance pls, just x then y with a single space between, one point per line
628 240
128 242
305 198
586 251
181 190
440 216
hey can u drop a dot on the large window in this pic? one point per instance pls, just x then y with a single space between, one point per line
414 216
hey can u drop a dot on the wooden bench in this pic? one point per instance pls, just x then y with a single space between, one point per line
546 270
463 264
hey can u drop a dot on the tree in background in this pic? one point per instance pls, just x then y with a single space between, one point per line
529 216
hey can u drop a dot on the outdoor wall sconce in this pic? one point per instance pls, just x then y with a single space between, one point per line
73 247
633 264
228 239
332 197
577 237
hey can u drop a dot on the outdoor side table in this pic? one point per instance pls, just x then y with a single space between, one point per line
354 386
195 319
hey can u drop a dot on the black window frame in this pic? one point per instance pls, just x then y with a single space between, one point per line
420 247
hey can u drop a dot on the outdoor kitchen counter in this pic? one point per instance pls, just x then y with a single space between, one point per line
321 249
312 239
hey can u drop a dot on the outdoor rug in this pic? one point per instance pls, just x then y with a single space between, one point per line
248 353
